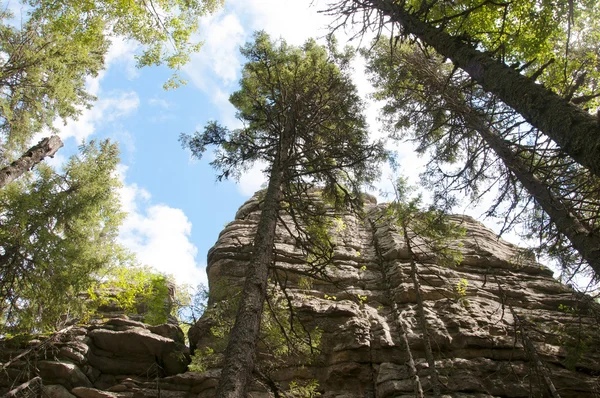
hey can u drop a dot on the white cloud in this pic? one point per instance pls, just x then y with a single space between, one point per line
293 20
214 70
122 51
114 106
159 102
159 235
252 180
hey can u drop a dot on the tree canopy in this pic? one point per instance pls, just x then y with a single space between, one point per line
573 129
164 27
56 232
48 56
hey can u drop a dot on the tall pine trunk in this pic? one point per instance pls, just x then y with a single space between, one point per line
574 130
240 352
400 323
583 239
46 147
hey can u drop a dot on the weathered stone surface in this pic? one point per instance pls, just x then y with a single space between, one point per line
476 337
56 391
84 392
65 373
169 331
136 348
365 309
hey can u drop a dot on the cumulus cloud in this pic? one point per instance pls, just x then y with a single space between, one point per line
273 16
159 235
115 105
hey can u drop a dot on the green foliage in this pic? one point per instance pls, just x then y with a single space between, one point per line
57 231
469 159
282 336
556 43
203 359
461 288
308 87
163 27
526 35
47 59
285 337
340 225
134 290
431 225
302 97
43 77
305 283
308 389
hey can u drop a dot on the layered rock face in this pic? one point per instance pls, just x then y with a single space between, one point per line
110 356
499 324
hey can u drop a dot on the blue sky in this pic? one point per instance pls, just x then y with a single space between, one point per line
175 208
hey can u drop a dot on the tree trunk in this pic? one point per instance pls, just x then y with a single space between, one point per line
586 242
46 147
532 351
240 352
435 377
574 130
528 345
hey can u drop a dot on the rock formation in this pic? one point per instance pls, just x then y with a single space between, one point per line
110 355
499 326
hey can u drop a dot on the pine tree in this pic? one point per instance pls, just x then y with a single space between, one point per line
573 129
426 233
57 231
302 117
407 78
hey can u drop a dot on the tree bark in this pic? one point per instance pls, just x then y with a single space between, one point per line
532 351
240 352
528 345
435 377
574 130
46 147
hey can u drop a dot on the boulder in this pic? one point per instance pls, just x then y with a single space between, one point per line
64 373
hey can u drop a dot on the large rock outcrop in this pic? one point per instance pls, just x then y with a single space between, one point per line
499 324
